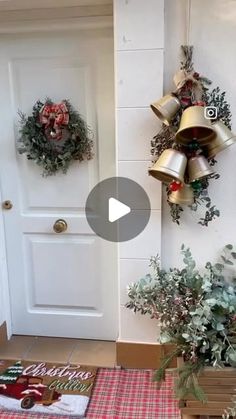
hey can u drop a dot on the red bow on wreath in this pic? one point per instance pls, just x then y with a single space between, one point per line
53 117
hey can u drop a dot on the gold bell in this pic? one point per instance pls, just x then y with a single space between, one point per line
166 108
194 126
224 138
170 166
184 196
198 168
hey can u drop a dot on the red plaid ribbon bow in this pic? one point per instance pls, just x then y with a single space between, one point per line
53 116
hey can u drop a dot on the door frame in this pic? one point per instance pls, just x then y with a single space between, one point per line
54 16
4 278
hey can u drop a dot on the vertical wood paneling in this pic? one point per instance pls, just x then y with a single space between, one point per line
139 46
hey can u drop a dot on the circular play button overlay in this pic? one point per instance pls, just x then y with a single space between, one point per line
117 209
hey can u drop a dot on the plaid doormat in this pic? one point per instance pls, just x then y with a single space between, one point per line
121 394
132 394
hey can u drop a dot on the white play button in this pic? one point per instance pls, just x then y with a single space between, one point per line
117 210
117 199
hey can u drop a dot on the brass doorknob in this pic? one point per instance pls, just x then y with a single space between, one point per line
7 204
60 226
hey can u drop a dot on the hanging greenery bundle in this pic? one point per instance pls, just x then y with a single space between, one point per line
54 136
196 127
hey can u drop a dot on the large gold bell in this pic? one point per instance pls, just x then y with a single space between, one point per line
198 168
224 138
170 166
183 196
194 126
166 108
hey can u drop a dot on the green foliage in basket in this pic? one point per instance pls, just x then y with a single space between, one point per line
196 310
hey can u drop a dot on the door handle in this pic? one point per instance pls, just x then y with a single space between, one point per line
7 205
60 226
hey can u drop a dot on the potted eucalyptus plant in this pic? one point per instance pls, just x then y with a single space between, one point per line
196 310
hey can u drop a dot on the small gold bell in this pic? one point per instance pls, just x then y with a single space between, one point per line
224 138
166 108
184 196
194 126
170 166
198 168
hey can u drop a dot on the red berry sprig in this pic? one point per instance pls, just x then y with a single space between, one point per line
175 186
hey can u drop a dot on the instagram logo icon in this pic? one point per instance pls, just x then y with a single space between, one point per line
210 112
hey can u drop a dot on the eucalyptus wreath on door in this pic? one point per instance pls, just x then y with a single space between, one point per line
54 136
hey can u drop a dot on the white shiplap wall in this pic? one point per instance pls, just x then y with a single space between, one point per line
213 34
139 45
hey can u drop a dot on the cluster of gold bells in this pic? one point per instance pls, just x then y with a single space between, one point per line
173 165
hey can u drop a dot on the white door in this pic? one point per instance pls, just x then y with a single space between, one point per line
60 284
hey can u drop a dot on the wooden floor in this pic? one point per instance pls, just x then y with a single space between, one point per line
87 352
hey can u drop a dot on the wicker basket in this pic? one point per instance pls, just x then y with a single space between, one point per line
219 386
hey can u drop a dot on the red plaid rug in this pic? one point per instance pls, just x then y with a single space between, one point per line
123 394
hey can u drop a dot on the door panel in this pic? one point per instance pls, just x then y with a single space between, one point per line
50 195
60 284
46 273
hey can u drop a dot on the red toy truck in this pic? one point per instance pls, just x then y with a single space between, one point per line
30 391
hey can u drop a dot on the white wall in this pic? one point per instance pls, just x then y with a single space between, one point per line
213 34
139 44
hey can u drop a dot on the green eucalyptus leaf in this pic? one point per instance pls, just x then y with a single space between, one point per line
219 326
226 261
185 336
211 301
232 356
219 266
165 338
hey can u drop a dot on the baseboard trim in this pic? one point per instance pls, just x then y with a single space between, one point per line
3 333
141 355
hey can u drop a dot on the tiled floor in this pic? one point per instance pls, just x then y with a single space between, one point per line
90 352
